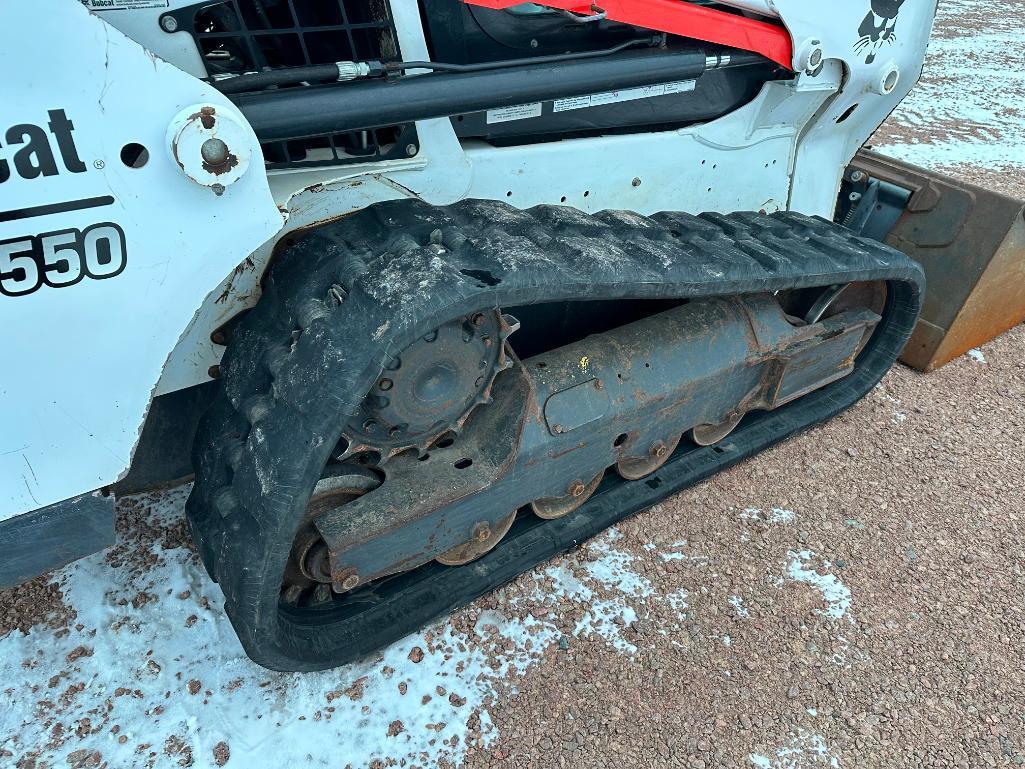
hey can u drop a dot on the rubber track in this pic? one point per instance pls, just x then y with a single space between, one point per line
299 363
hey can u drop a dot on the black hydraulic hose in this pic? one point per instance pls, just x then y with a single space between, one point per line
325 73
484 66
296 113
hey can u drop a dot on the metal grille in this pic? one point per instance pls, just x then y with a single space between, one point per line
240 36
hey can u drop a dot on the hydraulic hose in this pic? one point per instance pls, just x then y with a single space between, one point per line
295 113
316 73
351 70
484 66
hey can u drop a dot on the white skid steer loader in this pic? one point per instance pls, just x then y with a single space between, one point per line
409 285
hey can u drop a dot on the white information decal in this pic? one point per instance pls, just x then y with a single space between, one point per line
118 5
519 112
627 94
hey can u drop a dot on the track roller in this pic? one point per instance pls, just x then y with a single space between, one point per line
483 539
635 468
710 434
578 492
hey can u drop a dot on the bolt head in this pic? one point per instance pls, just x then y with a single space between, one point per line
168 23
385 384
412 149
576 489
658 449
214 151
482 532
350 582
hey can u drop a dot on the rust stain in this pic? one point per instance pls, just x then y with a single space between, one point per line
221 168
564 452
248 264
206 117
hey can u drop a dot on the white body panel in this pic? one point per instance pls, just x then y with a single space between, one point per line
80 362
89 392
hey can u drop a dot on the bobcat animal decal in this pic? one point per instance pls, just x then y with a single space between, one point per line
878 28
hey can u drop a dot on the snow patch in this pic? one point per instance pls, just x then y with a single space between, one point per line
675 553
605 583
607 619
834 592
738 606
153 655
977 356
775 515
800 752
899 416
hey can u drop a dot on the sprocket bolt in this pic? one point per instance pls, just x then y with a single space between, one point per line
482 532
658 449
576 489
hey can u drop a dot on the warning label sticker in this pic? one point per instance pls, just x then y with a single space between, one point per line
627 94
519 112
119 5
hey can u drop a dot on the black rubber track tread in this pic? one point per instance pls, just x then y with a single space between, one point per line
299 363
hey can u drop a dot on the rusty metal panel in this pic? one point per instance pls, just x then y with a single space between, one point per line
971 242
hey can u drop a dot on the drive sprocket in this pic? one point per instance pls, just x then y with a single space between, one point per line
430 388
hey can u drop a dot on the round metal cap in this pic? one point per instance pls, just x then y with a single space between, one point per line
213 146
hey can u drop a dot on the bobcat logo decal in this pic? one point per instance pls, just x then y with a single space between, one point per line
878 28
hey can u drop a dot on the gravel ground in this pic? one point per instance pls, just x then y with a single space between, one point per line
850 598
